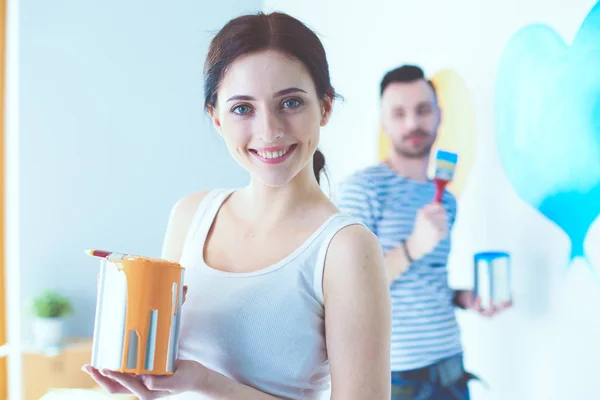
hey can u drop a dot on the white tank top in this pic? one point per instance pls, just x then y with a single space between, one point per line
265 328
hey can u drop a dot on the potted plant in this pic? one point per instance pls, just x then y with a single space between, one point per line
50 309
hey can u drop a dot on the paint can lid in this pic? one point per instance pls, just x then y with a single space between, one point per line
491 255
145 261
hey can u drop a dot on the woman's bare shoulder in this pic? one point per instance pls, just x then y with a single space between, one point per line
179 224
188 204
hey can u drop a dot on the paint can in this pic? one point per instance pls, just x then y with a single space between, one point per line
138 311
492 270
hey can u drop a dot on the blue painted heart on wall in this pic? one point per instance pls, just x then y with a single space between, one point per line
547 120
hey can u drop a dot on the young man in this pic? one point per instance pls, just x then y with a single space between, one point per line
395 200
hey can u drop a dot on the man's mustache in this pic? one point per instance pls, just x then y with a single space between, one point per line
417 133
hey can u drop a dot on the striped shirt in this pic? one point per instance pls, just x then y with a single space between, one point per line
424 326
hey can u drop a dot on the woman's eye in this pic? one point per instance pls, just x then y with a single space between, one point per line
242 109
292 103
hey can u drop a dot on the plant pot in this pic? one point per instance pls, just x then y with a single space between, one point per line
47 332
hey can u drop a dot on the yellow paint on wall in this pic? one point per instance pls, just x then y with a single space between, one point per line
385 145
457 132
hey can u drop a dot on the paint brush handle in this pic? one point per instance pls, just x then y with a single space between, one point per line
105 254
440 185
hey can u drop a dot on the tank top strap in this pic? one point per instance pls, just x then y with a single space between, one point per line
205 214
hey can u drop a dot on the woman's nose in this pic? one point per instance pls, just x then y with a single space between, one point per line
270 129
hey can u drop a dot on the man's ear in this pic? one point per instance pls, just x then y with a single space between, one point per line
214 115
326 109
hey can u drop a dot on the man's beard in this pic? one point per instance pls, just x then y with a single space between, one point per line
419 153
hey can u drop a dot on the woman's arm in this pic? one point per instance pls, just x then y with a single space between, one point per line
219 387
357 316
189 376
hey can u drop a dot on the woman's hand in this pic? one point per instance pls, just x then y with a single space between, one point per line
188 377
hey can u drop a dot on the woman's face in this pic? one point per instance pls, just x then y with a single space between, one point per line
270 116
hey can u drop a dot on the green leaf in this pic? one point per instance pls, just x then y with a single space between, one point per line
51 304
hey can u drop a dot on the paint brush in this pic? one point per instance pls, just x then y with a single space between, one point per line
106 254
445 165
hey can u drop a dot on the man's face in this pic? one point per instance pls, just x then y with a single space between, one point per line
410 117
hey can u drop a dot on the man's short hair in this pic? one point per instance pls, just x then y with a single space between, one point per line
405 74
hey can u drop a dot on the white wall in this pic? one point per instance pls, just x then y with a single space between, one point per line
111 116
112 133
547 346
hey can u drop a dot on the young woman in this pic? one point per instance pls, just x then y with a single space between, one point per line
287 296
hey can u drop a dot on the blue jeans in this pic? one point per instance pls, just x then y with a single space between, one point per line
441 381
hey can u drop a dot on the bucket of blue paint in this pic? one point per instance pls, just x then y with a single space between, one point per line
492 274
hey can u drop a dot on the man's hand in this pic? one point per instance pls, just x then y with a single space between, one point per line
466 299
431 227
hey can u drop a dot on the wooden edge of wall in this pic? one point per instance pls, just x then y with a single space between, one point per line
3 368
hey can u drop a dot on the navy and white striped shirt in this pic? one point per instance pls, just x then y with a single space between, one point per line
424 326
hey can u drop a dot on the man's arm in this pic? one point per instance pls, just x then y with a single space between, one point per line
398 260
358 196
430 227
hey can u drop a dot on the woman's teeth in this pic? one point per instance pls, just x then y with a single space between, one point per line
273 154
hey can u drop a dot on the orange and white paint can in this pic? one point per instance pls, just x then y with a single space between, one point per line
138 310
